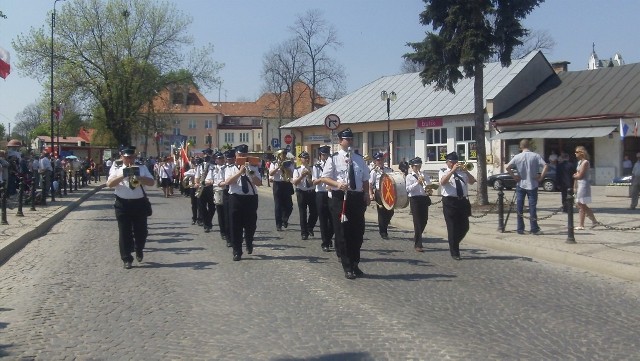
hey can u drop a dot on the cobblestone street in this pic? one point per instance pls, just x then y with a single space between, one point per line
65 296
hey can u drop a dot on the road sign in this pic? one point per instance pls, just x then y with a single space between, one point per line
332 121
275 142
288 139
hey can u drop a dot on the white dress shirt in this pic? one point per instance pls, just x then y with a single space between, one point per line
337 168
414 188
449 189
236 187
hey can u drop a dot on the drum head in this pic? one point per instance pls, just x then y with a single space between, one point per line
393 191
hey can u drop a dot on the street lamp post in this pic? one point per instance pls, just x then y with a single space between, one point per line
53 25
388 97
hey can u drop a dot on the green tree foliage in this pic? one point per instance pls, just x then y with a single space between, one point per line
116 55
466 34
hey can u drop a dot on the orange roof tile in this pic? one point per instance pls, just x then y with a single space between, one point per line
196 103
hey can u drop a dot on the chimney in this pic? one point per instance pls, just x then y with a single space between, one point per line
560 66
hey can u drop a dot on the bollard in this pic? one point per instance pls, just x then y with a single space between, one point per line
570 235
3 204
501 209
20 196
34 174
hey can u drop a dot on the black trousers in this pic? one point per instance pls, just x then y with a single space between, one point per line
222 220
132 225
420 214
324 216
350 234
384 216
282 192
194 204
307 201
456 213
227 214
207 208
244 216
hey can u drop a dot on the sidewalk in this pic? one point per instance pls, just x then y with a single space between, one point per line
612 249
22 230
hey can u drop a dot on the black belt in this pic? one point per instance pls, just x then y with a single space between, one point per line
348 192
302 190
128 199
455 197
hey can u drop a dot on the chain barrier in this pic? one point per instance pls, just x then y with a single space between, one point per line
491 208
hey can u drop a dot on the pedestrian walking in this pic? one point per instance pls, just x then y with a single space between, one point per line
527 165
322 200
305 196
582 186
635 183
564 179
130 206
456 207
384 214
416 184
348 177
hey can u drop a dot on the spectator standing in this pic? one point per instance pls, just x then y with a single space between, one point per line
635 183
627 166
527 165
564 179
583 188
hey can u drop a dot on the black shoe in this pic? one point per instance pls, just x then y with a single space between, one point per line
279 228
357 271
349 275
326 249
207 230
311 234
305 237
384 235
200 223
249 248
285 224
228 244
236 257
457 258
223 236
193 223
139 255
127 264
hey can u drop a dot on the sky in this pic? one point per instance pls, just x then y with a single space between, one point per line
373 33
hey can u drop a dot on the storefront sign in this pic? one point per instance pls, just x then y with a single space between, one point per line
430 122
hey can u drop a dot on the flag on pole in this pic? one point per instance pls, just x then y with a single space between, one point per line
184 156
5 67
624 129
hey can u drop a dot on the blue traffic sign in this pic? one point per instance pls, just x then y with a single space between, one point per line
275 142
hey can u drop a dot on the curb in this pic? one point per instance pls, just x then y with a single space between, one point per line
40 230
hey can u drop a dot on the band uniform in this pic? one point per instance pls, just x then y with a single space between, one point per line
419 200
322 200
384 214
305 196
282 189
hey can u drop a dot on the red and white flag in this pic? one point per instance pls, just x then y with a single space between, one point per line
5 67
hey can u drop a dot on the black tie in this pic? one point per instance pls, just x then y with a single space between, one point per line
306 181
459 190
245 184
352 176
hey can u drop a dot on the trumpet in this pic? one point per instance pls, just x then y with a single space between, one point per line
247 170
133 172
466 166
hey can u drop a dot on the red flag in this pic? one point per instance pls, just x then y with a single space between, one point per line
185 157
5 67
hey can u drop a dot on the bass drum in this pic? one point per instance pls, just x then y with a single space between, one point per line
393 191
218 195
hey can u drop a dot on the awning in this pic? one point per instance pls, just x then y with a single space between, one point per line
592 132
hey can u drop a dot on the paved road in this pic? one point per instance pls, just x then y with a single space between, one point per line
66 296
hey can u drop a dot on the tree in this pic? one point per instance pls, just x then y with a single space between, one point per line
324 74
116 55
469 33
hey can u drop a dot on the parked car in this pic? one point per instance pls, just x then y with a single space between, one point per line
506 180
623 179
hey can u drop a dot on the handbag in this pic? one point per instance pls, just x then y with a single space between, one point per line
147 203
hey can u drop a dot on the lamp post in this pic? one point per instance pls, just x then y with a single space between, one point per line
53 25
388 97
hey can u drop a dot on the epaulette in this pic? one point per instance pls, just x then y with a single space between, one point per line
334 154
443 169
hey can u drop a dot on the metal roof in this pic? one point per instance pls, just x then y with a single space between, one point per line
414 100
580 95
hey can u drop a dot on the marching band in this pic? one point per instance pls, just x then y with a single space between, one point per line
334 192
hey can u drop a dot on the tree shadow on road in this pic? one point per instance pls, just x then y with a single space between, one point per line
194 265
354 356
412 276
309 259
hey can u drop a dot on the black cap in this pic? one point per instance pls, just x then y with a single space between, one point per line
304 155
218 154
207 151
325 149
130 150
347 133
242 148
207 158
230 153
378 156
415 161
453 156
199 160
